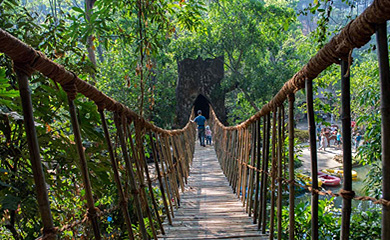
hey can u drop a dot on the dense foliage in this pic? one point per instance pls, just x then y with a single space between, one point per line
129 49
364 224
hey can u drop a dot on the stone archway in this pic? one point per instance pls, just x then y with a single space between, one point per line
199 82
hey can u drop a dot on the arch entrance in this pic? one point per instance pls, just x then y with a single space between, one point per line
201 103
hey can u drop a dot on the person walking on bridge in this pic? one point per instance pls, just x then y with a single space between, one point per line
200 120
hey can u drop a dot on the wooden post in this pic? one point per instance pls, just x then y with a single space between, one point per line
235 160
264 178
141 150
35 158
273 177
165 173
129 169
240 160
178 167
347 154
114 164
159 177
171 168
84 169
258 166
137 159
280 172
245 159
291 99
252 172
313 156
383 59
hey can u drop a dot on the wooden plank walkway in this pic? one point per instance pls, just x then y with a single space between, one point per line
209 209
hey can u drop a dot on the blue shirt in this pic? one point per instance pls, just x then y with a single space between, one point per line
338 137
200 120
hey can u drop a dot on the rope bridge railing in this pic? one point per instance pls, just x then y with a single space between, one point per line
171 150
247 151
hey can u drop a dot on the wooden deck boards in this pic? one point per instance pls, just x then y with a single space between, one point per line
209 209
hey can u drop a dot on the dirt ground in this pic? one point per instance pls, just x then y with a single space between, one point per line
325 157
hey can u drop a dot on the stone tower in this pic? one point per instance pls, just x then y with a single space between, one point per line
199 84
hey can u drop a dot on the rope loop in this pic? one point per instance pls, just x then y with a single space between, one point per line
346 194
23 67
50 231
70 87
92 212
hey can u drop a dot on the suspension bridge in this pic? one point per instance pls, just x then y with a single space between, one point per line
231 192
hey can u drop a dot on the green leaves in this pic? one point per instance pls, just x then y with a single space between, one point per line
6 92
9 202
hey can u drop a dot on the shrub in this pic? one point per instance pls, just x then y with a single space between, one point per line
302 135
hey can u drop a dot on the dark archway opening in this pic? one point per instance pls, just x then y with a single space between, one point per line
201 103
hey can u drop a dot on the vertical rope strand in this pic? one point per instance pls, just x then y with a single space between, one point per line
384 74
273 176
84 169
252 172
140 146
258 166
166 174
291 167
35 158
280 174
122 198
159 177
264 180
129 169
313 156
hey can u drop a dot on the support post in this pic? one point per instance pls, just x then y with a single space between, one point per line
114 164
84 169
383 58
273 176
159 177
264 177
257 176
252 171
313 156
36 164
280 172
129 169
347 153
291 99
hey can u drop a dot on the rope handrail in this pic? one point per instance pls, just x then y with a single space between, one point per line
355 34
28 60
166 145
230 141
178 145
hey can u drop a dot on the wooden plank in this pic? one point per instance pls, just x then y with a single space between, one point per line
209 209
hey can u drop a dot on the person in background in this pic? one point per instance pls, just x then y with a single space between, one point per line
319 132
357 140
208 135
322 142
200 120
338 138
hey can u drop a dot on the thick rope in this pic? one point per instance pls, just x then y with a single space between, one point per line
28 60
355 34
